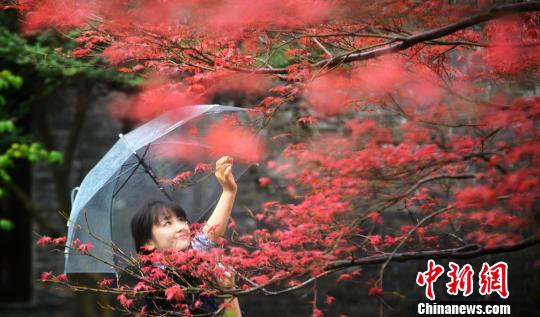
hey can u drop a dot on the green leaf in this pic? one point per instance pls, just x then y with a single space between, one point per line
33 158
5 161
278 60
70 71
55 156
4 177
17 82
7 126
6 225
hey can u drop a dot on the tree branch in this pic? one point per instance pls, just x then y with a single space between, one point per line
406 237
430 35
465 252
427 180
81 108
491 14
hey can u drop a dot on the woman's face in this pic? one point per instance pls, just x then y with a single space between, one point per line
170 233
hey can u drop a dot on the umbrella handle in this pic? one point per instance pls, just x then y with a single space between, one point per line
74 193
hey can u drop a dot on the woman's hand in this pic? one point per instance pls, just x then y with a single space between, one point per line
227 279
224 174
217 223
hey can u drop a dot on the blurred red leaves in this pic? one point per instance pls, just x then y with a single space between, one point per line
124 301
44 240
375 80
438 127
155 99
375 291
62 14
226 138
175 293
264 181
330 94
475 197
514 45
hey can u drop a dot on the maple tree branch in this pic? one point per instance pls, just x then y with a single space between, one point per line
406 237
491 14
322 47
465 252
433 178
430 35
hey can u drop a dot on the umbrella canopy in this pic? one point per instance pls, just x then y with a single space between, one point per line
131 174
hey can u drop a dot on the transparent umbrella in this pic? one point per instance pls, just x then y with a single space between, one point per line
131 174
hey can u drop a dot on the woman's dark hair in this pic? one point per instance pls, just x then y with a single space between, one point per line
148 215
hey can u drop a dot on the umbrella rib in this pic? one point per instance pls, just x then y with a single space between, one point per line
147 168
111 223
131 173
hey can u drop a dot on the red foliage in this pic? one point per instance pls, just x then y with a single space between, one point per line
59 240
375 240
431 132
329 95
379 77
329 299
44 240
61 278
178 148
85 247
202 167
376 217
154 100
107 282
264 181
248 147
124 301
231 18
175 293
45 276
235 82
513 45
338 92
375 291
62 14
344 277
476 197
316 313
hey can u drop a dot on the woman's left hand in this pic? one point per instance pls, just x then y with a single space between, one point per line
227 278
224 174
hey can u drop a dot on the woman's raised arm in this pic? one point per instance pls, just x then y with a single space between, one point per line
217 223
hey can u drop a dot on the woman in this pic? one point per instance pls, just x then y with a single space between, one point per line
163 225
